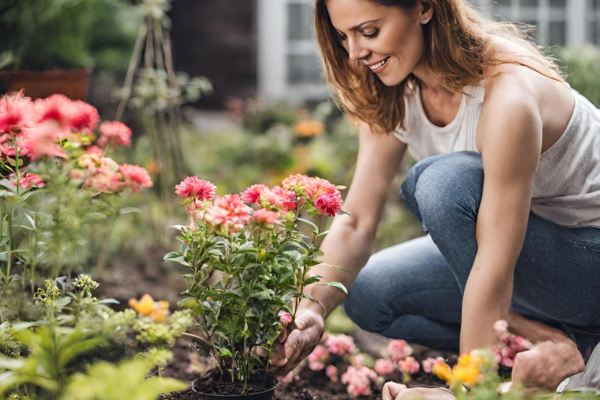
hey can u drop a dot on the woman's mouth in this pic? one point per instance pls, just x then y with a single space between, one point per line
379 66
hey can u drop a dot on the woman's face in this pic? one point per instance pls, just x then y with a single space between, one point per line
386 39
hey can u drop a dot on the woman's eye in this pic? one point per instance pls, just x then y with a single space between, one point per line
340 36
371 35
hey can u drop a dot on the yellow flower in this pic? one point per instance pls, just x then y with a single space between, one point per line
467 370
146 307
444 372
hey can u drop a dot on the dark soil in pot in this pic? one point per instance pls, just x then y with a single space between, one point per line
212 385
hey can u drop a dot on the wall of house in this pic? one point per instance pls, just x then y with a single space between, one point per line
217 39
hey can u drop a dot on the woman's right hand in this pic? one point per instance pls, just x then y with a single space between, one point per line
291 348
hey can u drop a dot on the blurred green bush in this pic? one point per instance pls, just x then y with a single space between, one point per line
582 66
52 34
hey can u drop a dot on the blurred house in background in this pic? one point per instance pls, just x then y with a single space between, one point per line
267 47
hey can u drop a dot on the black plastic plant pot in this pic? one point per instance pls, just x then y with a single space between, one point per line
266 395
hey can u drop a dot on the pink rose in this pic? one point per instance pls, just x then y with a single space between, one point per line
359 380
340 345
409 365
384 366
399 349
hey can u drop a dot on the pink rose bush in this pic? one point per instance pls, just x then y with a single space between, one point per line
399 350
252 240
57 127
409 366
384 367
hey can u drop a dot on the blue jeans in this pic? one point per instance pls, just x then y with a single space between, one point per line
413 291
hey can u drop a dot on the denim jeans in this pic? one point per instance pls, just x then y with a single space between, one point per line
413 291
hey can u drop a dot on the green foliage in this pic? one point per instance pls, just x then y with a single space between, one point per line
583 69
157 334
105 381
262 271
49 34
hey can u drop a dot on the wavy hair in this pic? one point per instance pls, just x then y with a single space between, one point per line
458 47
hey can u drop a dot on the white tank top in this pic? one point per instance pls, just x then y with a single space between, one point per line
566 187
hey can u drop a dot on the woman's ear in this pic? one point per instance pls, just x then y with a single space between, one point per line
424 11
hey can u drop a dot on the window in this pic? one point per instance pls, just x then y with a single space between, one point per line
289 65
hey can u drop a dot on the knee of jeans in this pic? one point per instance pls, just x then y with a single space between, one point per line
362 307
451 187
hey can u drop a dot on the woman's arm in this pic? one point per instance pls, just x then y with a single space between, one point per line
347 245
351 237
509 136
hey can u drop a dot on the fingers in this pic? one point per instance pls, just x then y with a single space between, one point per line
391 390
278 356
282 336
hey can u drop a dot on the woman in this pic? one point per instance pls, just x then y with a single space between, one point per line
507 186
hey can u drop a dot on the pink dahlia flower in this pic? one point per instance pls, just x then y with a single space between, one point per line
318 357
329 204
264 216
340 345
252 194
55 112
315 187
228 211
193 187
42 140
114 133
294 182
16 112
279 198
95 150
135 177
29 181
399 350
384 366
84 116
409 365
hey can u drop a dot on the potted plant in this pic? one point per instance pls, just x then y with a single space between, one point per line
47 45
261 261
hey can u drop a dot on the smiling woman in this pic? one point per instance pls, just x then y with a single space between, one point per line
507 186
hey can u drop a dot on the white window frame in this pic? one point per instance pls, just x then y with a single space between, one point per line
274 47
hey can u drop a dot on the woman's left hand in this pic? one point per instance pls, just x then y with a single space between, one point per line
397 391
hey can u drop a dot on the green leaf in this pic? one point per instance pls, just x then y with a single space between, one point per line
336 285
226 353
344 212
109 301
184 301
129 210
6 193
315 228
9 185
313 279
340 268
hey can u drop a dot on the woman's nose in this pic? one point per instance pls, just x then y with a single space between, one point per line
356 52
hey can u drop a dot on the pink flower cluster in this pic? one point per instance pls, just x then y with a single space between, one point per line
409 366
36 128
228 212
510 346
359 380
103 174
399 350
326 199
339 345
275 199
384 366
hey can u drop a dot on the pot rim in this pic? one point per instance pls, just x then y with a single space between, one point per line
232 395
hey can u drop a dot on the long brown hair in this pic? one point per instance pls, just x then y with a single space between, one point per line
458 47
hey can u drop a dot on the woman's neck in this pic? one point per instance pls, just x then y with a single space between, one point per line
422 72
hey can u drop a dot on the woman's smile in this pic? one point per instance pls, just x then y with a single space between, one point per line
379 66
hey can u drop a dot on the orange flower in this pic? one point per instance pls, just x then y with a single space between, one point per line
468 370
147 307
309 128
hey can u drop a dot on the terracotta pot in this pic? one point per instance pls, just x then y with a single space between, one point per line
72 83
